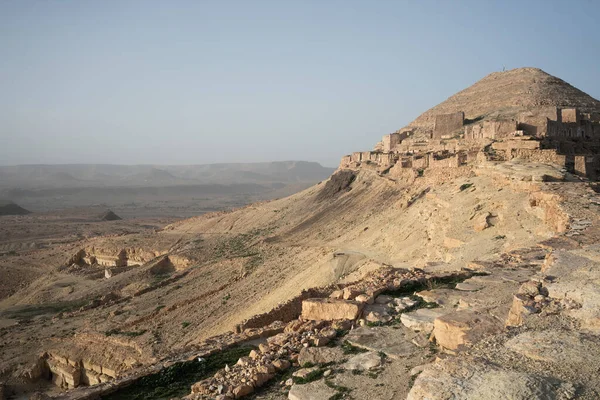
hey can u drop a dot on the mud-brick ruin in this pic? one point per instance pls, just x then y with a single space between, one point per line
563 136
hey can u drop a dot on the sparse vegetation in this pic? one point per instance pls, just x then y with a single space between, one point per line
160 277
342 391
120 332
351 349
225 298
34 310
240 246
311 377
175 381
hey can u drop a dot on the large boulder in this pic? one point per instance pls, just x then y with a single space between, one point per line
522 306
328 309
456 329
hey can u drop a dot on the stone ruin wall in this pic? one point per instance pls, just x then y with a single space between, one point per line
454 161
523 137
69 372
569 115
535 124
490 130
419 162
445 124
284 312
547 156
127 257
585 165
391 141
569 130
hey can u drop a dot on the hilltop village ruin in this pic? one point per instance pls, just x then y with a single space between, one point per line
562 136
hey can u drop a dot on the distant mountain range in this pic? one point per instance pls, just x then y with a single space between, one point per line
105 175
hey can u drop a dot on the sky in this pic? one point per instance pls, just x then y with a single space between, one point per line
197 82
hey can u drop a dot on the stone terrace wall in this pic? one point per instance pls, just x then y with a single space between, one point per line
284 312
453 161
542 156
536 124
490 129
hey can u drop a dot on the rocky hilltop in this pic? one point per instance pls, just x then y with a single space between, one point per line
509 93
456 260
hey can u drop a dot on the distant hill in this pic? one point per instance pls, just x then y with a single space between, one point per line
109 216
103 175
10 208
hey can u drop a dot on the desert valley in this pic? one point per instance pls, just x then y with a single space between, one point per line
457 259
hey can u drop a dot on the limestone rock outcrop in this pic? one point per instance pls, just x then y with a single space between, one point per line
457 329
469 379
330 309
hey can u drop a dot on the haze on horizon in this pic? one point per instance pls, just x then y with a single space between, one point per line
191 82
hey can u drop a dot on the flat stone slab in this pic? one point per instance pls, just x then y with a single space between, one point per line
444 297
577 284
468 287
363 362
377 313
395 342
559 347
317 390
320 355
383 299
467 378
422 319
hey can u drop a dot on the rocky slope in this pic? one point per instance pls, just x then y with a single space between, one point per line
461 282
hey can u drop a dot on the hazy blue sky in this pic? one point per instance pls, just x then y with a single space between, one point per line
182 82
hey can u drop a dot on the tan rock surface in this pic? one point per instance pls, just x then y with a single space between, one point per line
330 309
457 329
395 343
311 391
471 379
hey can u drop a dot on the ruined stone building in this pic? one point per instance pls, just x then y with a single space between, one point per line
563 136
